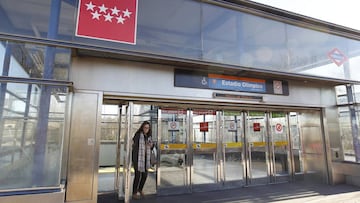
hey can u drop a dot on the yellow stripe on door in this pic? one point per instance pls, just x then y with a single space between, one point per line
172 146
204 146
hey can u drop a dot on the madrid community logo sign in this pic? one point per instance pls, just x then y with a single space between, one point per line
110 20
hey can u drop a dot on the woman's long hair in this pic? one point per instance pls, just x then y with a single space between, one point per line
140 130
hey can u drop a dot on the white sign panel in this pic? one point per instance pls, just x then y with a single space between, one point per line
232 126
278 128
278 89
173 126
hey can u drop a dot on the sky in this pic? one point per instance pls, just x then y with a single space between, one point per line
345 12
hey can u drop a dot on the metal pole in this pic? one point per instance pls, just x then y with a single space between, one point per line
128 140
236 130
353 121
204 119
3 87
352 110
26 119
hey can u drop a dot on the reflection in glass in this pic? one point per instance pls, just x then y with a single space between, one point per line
28 60
110 119
233 136
348 113
280 143
18 136
296 142
256 140
173 149
313 147
205 139
234 37
207 32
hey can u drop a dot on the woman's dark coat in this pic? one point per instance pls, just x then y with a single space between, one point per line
135 149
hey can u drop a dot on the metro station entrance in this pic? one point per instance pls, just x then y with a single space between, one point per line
201 149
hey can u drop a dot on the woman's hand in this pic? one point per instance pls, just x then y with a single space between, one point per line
150 144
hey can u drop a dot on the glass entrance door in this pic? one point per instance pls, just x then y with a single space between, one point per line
296 147
205 137
279 147
257 141
233 148
173 171
112 150
269 157
131 119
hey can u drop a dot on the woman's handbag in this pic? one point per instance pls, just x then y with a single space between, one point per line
153 159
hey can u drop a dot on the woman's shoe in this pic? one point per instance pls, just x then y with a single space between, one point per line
142 194
136 196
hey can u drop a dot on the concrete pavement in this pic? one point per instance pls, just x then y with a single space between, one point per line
298 192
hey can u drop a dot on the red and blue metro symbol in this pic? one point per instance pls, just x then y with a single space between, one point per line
337 57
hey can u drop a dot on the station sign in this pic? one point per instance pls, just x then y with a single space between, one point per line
337 56
197 79
242 84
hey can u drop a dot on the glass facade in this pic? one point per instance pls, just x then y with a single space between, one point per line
27 60
20 159
34 86
195 30
33 101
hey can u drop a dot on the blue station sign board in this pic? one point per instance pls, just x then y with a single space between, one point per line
203 80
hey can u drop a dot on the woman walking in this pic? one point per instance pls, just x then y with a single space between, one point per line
141 151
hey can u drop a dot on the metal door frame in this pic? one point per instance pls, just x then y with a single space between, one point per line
291 158
119 180
123 178
128 148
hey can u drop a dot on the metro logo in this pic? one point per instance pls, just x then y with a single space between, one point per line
110 20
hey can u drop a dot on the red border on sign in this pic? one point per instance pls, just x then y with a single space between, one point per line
339 61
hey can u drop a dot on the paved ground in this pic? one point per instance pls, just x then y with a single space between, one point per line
298 192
